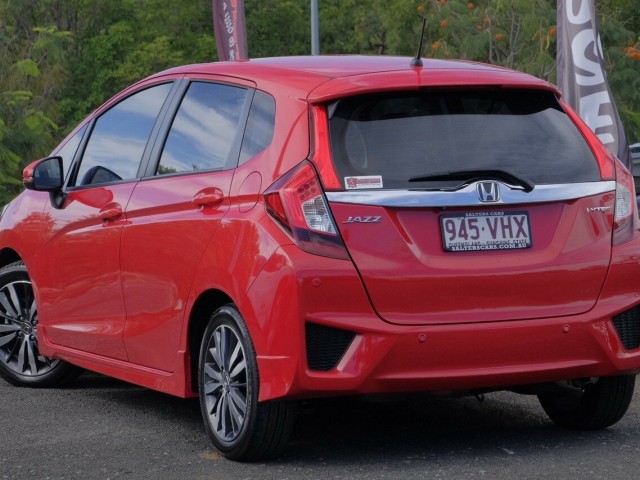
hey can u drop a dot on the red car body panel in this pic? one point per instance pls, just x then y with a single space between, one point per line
167 211
184 242
81 310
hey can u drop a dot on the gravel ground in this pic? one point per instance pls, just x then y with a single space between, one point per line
102 428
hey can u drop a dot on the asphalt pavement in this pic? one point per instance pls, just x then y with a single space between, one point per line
100 428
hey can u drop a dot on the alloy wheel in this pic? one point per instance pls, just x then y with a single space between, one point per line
19 331
225 383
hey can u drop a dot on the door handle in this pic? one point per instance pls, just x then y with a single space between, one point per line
110 211
210 197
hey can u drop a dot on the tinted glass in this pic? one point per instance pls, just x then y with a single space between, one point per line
69 149
403 136
120 136
260 124
204 130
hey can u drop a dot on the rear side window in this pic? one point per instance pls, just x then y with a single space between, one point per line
205 133
402 136
260 125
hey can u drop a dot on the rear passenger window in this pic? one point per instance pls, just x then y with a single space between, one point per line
259 132
120 135
206 132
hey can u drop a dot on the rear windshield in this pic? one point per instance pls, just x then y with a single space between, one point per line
384 141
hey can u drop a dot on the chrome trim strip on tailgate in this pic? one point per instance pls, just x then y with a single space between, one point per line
468 196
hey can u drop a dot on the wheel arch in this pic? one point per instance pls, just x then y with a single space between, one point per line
207 303
8 256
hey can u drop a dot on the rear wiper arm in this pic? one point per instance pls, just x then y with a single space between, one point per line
469 176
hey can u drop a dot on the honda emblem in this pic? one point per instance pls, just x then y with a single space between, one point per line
488 192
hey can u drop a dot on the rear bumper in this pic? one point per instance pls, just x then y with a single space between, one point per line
384 358
464 357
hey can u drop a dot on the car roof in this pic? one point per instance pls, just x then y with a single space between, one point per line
324 77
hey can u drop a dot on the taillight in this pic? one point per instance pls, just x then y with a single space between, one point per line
606 161
321 148
298 203
625 217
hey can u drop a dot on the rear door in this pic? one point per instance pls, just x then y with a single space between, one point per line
174 212
468 205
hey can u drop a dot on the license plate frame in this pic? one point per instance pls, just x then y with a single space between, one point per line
486 231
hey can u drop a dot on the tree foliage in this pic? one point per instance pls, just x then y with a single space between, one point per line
31 74
60 59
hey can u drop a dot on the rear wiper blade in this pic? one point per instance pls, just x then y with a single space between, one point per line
470 176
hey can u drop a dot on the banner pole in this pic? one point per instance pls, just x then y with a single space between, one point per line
315 29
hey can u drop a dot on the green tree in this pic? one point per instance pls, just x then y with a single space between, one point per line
31 73
127 41
619 27
277 27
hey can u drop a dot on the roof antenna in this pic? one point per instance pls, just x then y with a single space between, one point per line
417 61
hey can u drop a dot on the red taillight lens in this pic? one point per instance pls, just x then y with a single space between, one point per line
625 218
321 147
297 202
606 161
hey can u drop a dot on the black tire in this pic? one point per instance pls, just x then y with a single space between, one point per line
20 361
601 405
239 426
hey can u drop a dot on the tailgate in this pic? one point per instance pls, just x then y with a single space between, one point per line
470 204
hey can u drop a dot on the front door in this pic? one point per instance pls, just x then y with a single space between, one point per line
81 304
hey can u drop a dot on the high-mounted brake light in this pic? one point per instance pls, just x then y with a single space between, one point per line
297 202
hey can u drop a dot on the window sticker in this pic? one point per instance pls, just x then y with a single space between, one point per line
357 183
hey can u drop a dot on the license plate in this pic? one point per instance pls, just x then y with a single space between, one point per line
485 231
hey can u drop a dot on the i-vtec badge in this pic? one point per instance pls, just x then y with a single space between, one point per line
599 209
371 219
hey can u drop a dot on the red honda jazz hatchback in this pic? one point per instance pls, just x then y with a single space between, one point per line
258 232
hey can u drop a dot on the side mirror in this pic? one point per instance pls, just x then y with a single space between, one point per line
44 175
